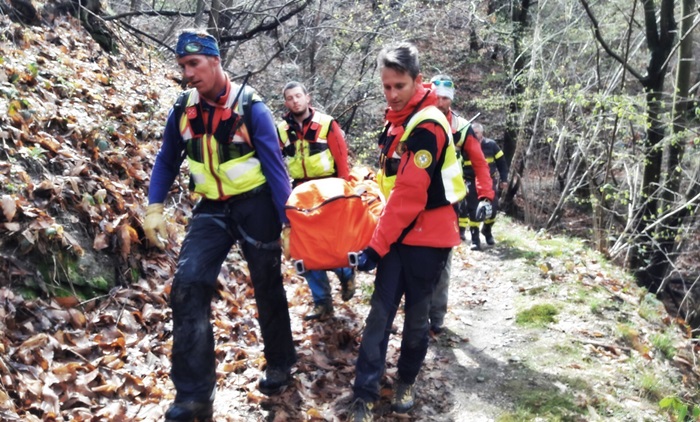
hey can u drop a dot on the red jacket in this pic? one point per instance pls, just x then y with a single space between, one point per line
336 141
472 149
405 209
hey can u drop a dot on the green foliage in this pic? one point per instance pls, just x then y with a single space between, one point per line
536 404
597 305
99 283
367 290
33 69
365 148
664 343
28 293
10 188
627 334
135 273
568 349
545 403
650 308
65 274
680 410
36 152
538 315
650 385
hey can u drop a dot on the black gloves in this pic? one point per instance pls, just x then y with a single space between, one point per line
367 259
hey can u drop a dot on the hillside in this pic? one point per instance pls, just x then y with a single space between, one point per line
79 132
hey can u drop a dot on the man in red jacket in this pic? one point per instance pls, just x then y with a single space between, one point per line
421 179
470 151
498 166
313 146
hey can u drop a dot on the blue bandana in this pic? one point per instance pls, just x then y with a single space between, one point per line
190 43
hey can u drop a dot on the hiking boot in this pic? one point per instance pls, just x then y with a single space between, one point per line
321 311
360 411
486 231
436 325
476 243
403 398
190 411
274 380
348 288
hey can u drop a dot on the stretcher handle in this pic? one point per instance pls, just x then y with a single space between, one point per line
352 258
299 266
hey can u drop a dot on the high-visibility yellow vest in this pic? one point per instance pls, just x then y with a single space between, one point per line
224 163
311 158
450 172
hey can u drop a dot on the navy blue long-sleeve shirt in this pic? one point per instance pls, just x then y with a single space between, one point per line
263 138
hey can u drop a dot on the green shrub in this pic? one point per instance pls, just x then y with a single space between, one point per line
538 315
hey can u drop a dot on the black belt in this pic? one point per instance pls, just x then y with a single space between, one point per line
250 194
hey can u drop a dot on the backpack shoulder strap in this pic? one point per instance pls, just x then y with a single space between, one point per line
180 105
248 98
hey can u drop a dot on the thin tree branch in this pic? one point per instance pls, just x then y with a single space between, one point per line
606 47
150 13
273 23
679 208
150 37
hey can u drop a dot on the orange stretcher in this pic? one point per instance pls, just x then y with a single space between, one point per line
331 219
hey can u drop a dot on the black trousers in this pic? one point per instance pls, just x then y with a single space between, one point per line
413 272
213 230
467 207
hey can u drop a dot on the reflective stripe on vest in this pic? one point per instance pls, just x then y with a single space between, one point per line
460 127
451 173
468 163
490 160
221 169
312 158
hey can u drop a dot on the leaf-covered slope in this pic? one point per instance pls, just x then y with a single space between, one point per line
79 133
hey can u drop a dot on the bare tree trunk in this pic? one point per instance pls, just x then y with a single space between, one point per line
644 259
599 228
199 16
659 38
214 15
220 22
313 47
511 149
666 234
133 7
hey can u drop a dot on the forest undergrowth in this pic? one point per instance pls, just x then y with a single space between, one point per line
539 326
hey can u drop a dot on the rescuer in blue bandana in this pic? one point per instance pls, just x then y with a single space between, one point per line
228 136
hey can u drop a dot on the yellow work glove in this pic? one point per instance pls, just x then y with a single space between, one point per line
154 225
284 239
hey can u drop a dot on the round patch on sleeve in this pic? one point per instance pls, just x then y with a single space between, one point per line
422 159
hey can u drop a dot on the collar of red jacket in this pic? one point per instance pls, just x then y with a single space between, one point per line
289 117
421 99
224 113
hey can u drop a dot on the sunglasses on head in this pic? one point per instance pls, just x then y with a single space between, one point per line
193 47
447 84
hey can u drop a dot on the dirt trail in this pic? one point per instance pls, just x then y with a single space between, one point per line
484 366
476 351
578 368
